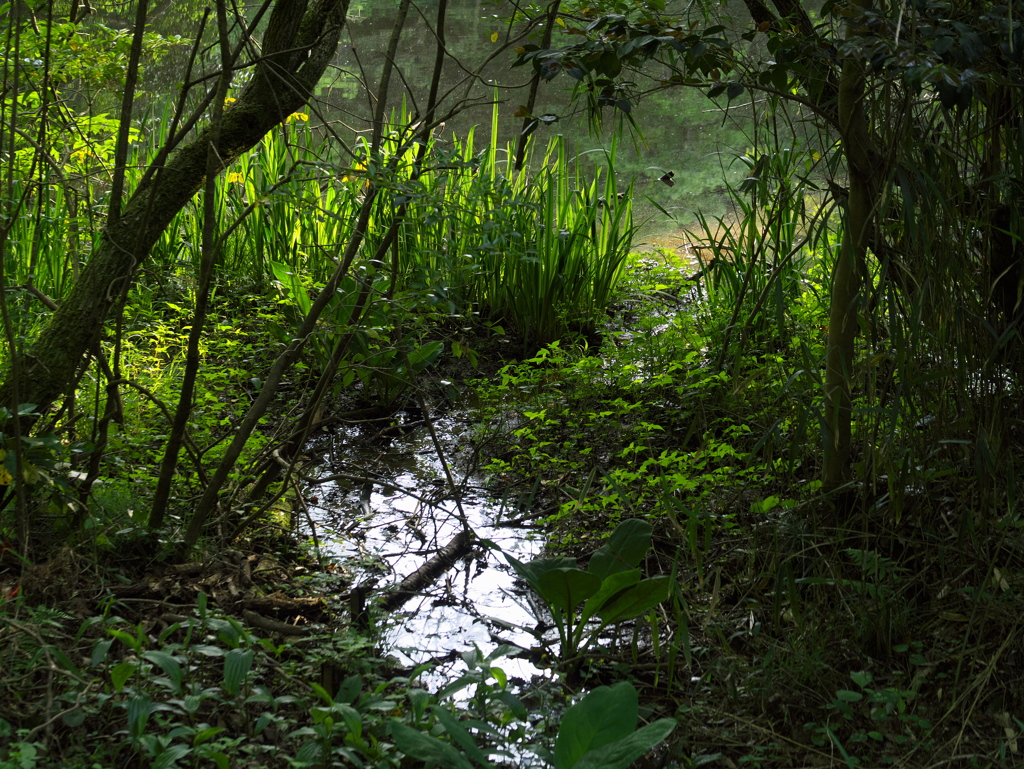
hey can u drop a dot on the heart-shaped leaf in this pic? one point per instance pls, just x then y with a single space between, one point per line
567 588
610 588
532 571
636 600
604 716
624 549
622 753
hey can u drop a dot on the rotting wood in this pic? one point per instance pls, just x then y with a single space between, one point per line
425 575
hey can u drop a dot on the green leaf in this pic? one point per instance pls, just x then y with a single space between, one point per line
848 696
62 658
423 747
514 704
263 722
236 666
612 586
567 588
425 355
168 664
532 571
636 600
624 549
460 736
499 676
861 677
139 708
206 734
121 673
170 755
622 753
128 640
73 718
291 286
609 64
604 716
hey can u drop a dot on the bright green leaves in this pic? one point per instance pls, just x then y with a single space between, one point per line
606 715
384 370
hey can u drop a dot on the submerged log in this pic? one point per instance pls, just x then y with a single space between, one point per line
425 575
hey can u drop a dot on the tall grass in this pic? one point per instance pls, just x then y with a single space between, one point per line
539 250
759 263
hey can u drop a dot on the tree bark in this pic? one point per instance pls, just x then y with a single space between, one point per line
300 40
862 162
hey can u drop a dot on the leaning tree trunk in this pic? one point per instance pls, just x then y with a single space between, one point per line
300 40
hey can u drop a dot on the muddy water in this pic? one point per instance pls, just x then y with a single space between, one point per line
385 528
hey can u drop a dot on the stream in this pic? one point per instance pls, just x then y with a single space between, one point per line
384 530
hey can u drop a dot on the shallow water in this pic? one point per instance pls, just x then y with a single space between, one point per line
386 529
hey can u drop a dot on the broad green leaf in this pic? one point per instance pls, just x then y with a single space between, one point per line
425 355
310 752
322 693
624 549
121 673
499 676
532 571
423 747
604 716
237 663
263 722
100 649
636 600
167 663
73 718
127 639
610 588
622 753
463 682
205 734
62 658
513 703
139 708
291 286
169 756
567 588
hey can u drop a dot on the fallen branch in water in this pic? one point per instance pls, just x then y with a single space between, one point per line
425 575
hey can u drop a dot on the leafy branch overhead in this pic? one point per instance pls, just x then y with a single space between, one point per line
947 48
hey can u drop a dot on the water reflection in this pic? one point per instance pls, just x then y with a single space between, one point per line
386 530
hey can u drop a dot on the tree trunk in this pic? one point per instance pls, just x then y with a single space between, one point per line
862 162
300 40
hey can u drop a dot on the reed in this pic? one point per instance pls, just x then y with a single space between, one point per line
539 250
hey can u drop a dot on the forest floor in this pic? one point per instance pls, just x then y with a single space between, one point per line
878 628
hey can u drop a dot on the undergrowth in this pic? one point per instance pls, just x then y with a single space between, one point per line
865 628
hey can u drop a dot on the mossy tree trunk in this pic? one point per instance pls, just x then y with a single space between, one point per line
299 42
